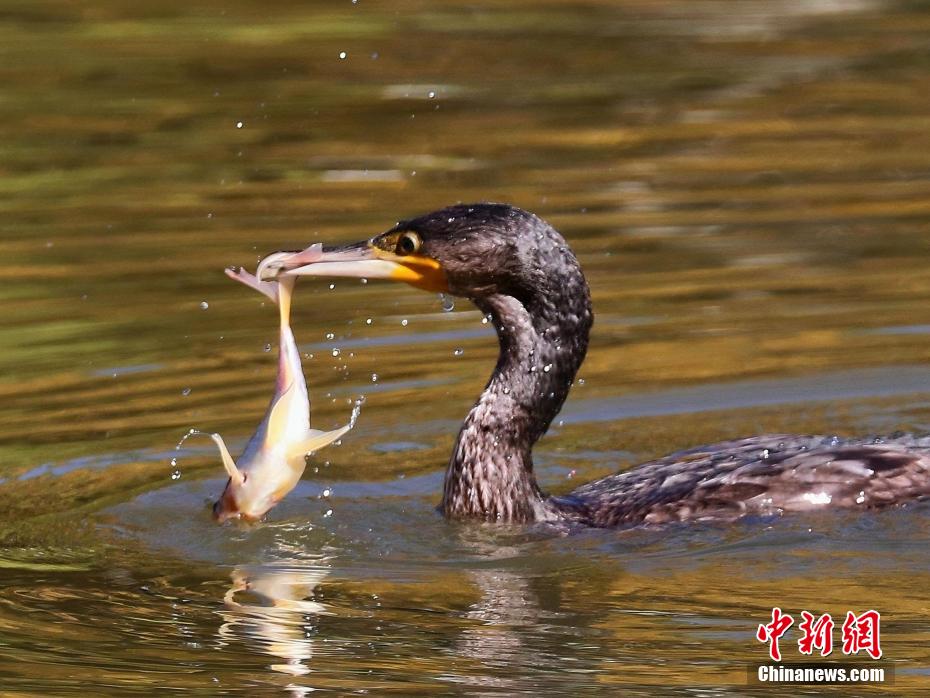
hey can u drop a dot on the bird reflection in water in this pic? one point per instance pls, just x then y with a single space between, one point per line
267 607
500 618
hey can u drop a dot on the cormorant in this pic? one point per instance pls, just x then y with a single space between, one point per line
521 273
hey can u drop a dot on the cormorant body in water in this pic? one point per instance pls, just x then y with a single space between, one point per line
520 271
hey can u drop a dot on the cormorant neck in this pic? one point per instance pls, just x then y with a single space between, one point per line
543 340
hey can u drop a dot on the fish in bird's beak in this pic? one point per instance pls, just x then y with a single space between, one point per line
275 456
398 260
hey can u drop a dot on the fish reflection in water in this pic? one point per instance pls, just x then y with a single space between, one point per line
268 607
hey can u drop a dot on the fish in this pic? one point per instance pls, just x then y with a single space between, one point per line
275 457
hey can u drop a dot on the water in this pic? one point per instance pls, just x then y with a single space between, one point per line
745 185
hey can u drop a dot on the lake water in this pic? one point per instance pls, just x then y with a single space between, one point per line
746 184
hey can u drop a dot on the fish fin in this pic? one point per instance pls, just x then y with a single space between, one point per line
315 440
269 288
228 461
277 418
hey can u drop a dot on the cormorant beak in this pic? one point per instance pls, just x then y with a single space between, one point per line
358 260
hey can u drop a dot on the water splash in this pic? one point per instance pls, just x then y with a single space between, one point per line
175 468
356 411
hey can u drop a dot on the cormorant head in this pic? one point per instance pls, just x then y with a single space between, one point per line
467 250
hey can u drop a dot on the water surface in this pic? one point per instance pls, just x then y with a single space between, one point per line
745 185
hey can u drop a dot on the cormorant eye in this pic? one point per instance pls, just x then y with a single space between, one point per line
408 243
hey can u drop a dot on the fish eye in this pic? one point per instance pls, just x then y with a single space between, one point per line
408 243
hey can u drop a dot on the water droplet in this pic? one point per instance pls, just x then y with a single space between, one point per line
330 335
506 391
332 286
176 475
356 411
404 322
458 352
174 462
430 94
328 513
374 377
448 303
547 368
267 348
327 492
485 320
581 381
204 305
239 124
368 321
343 55
185 392
363 281
336 352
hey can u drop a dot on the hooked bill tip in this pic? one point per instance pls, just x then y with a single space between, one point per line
278 263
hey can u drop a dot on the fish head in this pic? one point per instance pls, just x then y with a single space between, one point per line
258 490
262 477
226 507
240 501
